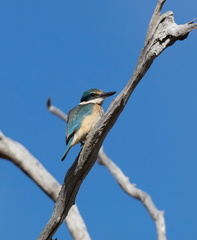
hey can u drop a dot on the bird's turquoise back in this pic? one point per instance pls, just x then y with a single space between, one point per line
82 118
75 118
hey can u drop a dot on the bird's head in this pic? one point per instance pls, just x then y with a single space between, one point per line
95 96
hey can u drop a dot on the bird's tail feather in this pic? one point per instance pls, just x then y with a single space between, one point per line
66 152
69 145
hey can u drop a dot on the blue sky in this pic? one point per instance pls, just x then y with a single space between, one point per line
59 49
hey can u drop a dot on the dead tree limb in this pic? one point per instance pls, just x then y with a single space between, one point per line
162 33
123 181
25 161
131 190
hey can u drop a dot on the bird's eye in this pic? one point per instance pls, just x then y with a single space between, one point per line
93 94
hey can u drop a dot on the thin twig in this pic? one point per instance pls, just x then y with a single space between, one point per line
56 110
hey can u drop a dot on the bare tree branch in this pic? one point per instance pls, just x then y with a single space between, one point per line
129 188
56 111
123 181
22 158
134 192
162 34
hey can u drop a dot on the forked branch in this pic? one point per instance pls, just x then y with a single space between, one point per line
126 185
162 32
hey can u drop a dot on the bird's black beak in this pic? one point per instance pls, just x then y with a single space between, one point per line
107 94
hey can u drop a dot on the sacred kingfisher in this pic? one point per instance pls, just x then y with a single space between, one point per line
83 117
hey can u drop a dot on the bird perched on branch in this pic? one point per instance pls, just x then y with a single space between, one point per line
83 117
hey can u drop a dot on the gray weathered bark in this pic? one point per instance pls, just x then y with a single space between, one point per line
162 32
22 158
131 190
125 184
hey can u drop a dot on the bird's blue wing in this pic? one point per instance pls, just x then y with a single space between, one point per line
75 118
